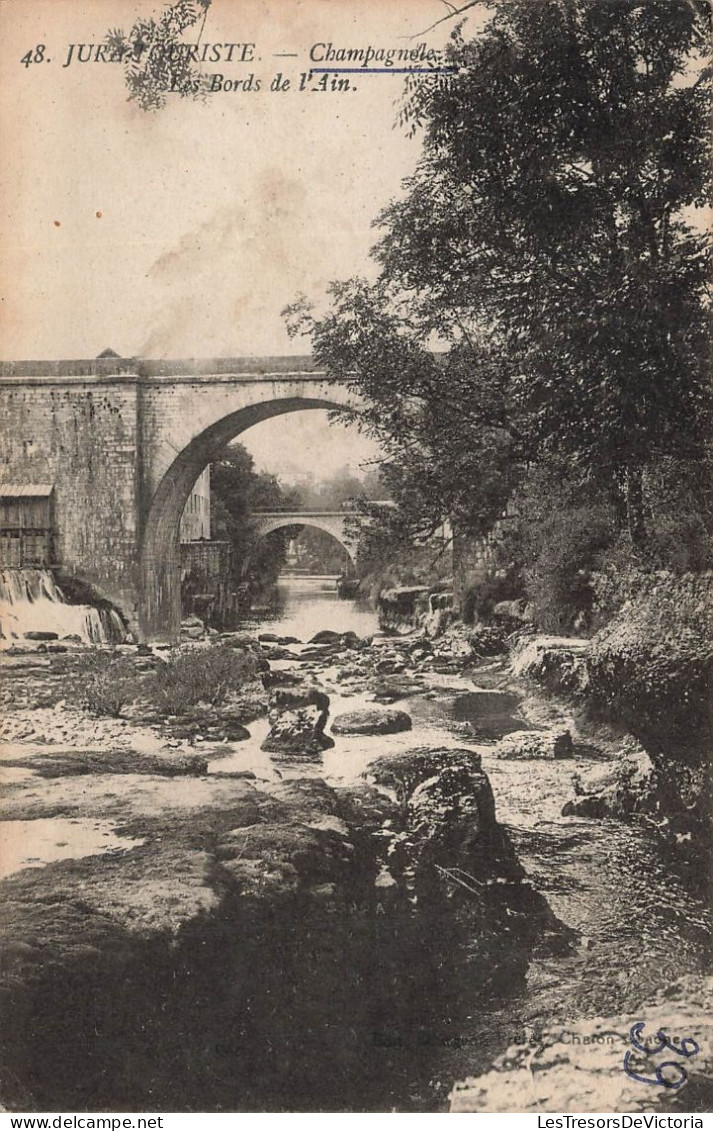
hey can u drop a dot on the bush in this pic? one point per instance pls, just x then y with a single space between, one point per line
198 676
621 574
481 597
489 640
103 683
558 580
652 665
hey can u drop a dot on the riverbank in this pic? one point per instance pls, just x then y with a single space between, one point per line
157 844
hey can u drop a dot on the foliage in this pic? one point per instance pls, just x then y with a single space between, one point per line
156 60
438 417
480 599
652 665
548 242
489 640
103 683
387 557
560 169
205 675
341 491
338 490
237 489
558 581
561 532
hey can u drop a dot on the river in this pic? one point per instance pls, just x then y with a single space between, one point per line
637 924
302 605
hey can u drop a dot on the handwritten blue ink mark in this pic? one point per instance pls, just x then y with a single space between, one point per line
384 70
687 1047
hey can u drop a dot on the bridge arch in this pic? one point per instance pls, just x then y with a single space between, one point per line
331 522
206 425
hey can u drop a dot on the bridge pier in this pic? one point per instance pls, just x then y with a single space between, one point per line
159 619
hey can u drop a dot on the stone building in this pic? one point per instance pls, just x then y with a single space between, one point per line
195 520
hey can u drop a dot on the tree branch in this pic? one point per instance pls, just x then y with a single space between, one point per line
453 12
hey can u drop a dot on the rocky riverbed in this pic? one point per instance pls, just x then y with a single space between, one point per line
338 890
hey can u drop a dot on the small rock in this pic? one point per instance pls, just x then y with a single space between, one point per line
390 666
535 744
372 721
326 636
297 720
272 679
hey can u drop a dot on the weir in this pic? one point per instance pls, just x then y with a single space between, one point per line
31 601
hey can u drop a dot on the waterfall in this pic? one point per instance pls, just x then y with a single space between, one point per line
31 601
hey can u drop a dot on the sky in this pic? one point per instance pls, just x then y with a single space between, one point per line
184 232
304 446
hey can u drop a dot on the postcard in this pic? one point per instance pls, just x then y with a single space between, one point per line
355 560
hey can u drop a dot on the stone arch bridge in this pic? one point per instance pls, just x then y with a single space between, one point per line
122 441
332 522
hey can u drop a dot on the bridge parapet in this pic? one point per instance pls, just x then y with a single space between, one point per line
142 369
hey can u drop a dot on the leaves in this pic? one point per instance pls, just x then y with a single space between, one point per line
546 244
156 60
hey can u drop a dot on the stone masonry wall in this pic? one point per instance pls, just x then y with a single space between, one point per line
81 436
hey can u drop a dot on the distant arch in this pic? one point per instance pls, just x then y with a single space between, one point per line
333 523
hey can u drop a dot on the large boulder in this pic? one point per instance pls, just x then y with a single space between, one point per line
513 614
325 636
535 744
619 788
448 850
297 719
489 640
651 666
373 720
556 663
451 819
402 772
651 669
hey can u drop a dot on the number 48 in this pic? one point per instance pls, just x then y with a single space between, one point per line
35 56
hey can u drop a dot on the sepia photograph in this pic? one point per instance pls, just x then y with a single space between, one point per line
356 560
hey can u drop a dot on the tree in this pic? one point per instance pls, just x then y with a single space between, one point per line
548 241
449 444
237 489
